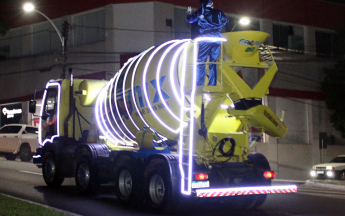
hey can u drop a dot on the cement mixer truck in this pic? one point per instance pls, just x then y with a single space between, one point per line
157 136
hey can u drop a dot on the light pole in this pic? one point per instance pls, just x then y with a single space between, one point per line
243 21
28 7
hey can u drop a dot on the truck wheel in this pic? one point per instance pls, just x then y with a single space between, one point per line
85 177
128 186
158 186
342 176
10 156
261 163
50 171
25 153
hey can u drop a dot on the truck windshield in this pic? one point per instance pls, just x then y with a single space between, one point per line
49 115
338 160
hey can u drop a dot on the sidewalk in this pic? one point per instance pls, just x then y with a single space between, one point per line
334 184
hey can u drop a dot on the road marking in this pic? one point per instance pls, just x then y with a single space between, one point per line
23 171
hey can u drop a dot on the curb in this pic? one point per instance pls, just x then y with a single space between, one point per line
318 184
45 206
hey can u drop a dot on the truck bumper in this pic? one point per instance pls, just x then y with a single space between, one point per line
240 191
37 159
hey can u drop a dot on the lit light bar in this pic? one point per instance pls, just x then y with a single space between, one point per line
240 191
191 113
41 142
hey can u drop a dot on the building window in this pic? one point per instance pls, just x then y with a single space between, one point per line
326 44
287 36
45 38
89 27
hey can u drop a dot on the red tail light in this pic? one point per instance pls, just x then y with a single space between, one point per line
201 177
269 174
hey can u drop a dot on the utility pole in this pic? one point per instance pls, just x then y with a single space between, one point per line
65 30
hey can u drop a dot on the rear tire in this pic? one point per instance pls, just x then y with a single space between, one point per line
50 170
10 157
261 164
86 177
25 153
158 186
128 181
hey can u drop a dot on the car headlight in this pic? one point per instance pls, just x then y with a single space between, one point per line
330 173
313 173
329 168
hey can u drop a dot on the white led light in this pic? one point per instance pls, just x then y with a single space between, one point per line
124 92
330 173
148 102
133 89
158 78
100 116
42 143
207 97
313 173
232 105
117 108
28 7
172 72
191 114
224 106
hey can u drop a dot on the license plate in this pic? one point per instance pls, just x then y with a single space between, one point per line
320 172
200 184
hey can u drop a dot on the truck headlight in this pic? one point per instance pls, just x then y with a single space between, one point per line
330 173
313 173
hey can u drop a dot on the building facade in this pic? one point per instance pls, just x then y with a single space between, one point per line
104 34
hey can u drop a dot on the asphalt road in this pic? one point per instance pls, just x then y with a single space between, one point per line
24 180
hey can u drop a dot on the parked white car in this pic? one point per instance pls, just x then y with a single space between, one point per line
335 169
18 139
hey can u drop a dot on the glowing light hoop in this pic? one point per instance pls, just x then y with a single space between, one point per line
148 102
132 86
159 67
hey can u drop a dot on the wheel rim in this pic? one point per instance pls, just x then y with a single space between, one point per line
49 169
125 183
84 175
157 189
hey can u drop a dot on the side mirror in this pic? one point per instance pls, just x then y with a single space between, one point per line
32 106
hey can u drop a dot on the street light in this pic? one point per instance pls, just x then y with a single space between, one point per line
28 7
243 21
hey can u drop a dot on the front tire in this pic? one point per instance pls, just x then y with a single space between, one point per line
86 177
50 171
25 153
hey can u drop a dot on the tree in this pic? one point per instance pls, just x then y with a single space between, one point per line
334 89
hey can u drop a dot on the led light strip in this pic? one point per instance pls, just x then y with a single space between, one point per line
100 117
148 102
191 111
117 108
222 192
124 92
133 89
57 114
182 114
172 72
159 67
111 109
